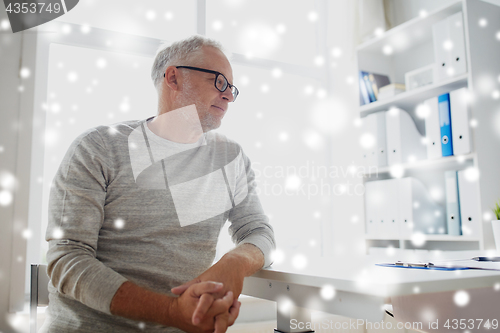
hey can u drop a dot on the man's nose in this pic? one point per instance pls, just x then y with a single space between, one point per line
228 95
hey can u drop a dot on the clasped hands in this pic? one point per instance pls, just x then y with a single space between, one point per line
209 303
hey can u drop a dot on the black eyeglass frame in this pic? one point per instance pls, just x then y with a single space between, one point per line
229 85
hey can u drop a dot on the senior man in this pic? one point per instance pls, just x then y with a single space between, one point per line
136 209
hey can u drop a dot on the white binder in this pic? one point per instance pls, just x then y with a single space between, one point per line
381 203
368 127
405 216
404 141
381 144
441 58
457 54
389 208
460 122
470 211
449 47
372 204
452 203
374 125
418 212
432 130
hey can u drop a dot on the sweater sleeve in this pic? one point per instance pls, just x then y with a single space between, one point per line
249 224
76 214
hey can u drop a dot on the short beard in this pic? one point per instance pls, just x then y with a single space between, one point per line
207 120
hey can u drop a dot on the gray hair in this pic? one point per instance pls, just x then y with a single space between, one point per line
186 50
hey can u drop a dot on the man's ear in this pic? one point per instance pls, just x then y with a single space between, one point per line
171 77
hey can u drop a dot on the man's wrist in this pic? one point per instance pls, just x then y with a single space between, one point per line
236 262
246 259
134 302
171 307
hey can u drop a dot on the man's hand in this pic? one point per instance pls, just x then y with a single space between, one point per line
135 302
231 271
217 315
232 282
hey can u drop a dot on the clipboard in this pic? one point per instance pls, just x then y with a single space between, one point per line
423 266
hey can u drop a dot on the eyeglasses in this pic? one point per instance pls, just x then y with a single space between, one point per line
220 83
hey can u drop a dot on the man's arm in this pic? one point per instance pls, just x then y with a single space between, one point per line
76 215
134 302
249 224
230 270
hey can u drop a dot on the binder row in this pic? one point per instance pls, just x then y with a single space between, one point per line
397 208
396 139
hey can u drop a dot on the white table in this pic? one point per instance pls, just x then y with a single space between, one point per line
362 289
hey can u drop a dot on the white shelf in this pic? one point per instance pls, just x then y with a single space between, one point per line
444 163
410 33
427 237
410 99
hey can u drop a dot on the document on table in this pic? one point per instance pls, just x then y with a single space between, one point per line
473 264
448 265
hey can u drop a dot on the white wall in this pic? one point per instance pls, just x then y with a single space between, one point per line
347 209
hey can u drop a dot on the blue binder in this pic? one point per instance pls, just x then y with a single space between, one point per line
445 124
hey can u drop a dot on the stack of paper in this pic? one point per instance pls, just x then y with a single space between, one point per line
390 90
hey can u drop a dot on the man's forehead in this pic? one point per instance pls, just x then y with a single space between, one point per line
214 59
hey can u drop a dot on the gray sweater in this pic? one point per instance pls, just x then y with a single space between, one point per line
126 204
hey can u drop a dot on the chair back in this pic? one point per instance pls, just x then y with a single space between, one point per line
39 292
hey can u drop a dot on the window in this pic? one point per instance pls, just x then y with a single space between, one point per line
274 30
278 134
88 88
164 20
